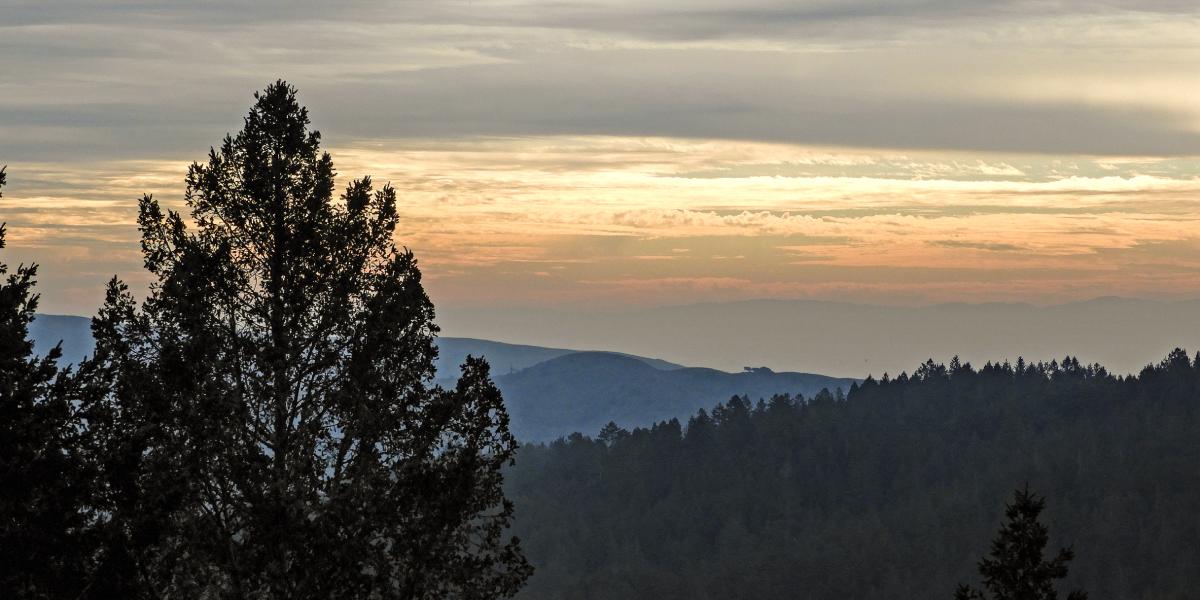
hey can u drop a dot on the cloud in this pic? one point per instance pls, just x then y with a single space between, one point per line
747 97
157 79
989 246
817 146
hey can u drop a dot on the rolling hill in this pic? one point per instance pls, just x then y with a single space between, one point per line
582 391
552 392
854 340
510 358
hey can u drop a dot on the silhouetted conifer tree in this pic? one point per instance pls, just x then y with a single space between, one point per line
267 419
1016 568
610 433
42 480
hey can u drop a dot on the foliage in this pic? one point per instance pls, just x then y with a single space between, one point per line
264 422
1016 568
43 548
883 494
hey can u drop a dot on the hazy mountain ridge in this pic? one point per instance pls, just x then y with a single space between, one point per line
551 392
509 358
855 340
74 332
584 390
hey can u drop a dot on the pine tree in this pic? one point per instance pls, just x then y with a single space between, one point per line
611 433
1016 568
42 480
266 416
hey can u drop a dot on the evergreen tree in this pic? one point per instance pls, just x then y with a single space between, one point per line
611 433
42 481
266 421
1016 568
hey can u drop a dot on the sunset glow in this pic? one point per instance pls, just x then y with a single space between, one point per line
627 155
612 221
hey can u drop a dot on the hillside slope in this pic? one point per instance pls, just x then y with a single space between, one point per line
551 392
508 358
893 493
584 390
855 340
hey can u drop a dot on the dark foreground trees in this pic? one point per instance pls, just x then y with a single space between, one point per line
1016 568
264 424
887 493
267 414
43 480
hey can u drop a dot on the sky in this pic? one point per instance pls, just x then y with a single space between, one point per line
594 156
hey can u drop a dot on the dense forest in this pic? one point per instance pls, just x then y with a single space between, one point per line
891 491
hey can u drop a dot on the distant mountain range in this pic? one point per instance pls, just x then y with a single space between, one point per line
552 392
854 340
75 334
582 391
510 358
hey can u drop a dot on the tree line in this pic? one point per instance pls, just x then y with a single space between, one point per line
264 423
888 492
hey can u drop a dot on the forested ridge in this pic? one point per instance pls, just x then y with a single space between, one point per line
889 492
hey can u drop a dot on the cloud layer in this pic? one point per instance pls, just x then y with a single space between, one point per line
639 152
593 221
131 78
